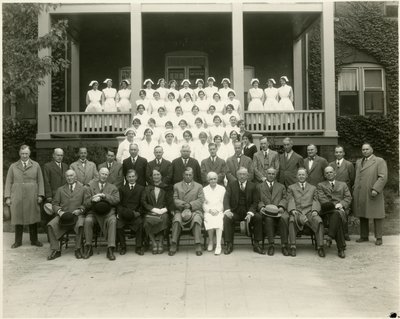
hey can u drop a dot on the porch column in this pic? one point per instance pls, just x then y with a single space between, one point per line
44 94
136 52
328 69
298 74
237 52
75 103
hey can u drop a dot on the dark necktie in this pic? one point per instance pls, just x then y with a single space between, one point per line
108 166
158 162
332 185
101 187
24 163
133 161
270 187
71 188
238 159
338 164
130 186
185 161
302 186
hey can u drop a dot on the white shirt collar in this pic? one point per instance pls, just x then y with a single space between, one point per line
303 184
244 184
340 161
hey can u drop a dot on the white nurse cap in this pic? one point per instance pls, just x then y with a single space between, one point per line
148 80
106 80
93 82
226 79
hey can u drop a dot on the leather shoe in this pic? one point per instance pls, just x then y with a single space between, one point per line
122 250
271 250
54 254
257 249
228 248
36 243
172 250
293 251
347 237
198 250
16 245
361 240
78 253
110 253
378 242
139 251
341 253
88 251
321 252
285 251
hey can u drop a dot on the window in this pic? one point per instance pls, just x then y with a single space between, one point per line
361 90
391 9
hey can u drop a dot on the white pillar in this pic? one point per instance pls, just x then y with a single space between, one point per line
136 52
298 74
75 103
237 52
328 68
44 94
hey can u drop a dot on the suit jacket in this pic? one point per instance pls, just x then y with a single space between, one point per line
53 177
231 198
219 167
139 167
192 194
232 166
303 201
85 174
344 173
116 177
178 168
288 168
165 169
250 151
110 190
164 199
276 197
339 194
67 201
316 173
131 199
260 167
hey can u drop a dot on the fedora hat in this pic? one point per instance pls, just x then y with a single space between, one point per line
245 228
125 213
67 220
101 207
327 208
48 208
271 211
187 215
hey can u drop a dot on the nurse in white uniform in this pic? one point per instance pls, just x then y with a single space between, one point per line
202 103
173 88
162 90
187 103
124 97
200 148
171 149
191 118
237 107
147 145
210 89
171 104
93 105
218 103
143 100
223 92
230 112
285 94
141 115
149 90
161 117
156 102
108 97
123 147
186 89
209 117
271 97
255 97
200 84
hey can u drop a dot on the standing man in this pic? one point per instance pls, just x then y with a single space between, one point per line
213 164
344 169
180 164
188 200
303 208
85 170
136 162
336 195
314 165
272 205
101 198
371 178
289 163
236 161
264 159
114 167
162 165
68 206
240 203
24 192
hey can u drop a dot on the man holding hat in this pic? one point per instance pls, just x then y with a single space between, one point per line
130 213
272 206
101 198
68 206
188 200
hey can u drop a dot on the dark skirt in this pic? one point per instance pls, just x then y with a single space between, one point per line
153 224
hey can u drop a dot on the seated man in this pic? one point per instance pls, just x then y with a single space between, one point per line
272 206
68 207
335 198
303 208
101 198
130 212
188 200
240 203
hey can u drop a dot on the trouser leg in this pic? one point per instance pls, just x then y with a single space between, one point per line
54 243
364 227
33 235
19 230
257 227
196 230
292 233
346 226
111 223
378 227
269 223
88 229
79 238
176 231
319 235
283 228
335 229
229 224
121 237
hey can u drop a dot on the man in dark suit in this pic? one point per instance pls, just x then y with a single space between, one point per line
68 202
240 203
344 169
137 163
213 164
337 194
303 208
102 213
162 165
236 161
130 212
314 165
264 159
181 163
116 177
289 163
274 193
85 170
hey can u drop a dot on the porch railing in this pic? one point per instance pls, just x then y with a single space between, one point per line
286 122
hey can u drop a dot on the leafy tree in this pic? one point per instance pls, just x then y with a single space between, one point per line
23 69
